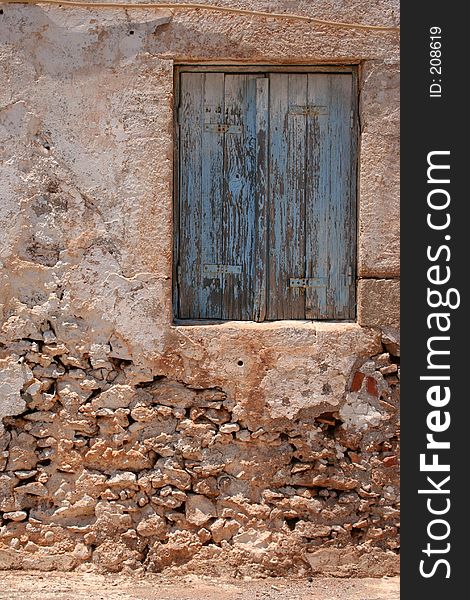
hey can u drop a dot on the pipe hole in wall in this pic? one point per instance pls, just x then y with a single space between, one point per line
240 363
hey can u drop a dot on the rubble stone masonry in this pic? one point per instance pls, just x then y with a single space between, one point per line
129 442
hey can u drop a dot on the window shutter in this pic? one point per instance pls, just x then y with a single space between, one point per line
266 196
201 194
221 168
312 223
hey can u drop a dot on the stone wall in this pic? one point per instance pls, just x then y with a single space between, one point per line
129 442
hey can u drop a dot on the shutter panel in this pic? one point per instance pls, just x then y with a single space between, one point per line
192 86
330 226
261 198
287 195
239 198
201 194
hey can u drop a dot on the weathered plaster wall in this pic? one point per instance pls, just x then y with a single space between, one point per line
128 441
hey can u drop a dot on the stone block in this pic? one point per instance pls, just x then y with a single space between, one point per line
379 208
378 303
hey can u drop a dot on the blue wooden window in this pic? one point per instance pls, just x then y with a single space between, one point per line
265 196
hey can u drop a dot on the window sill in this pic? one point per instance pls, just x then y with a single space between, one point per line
264 325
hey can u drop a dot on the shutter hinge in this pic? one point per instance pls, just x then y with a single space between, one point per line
351 119
350 276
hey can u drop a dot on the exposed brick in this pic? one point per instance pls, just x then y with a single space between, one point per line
357 381
371 386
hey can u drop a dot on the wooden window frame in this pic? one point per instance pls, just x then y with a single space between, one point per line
198 67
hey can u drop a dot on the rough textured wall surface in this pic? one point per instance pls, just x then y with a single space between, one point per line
127 442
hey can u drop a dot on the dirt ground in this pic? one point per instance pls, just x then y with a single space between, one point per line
74 586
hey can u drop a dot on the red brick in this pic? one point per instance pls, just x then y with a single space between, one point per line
357 381
371 387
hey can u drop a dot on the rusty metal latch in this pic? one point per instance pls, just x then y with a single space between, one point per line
222 128
309 110
212 270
